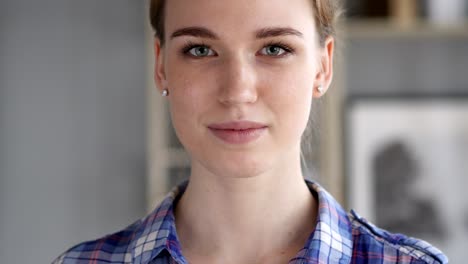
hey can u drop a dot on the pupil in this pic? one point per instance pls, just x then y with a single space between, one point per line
202 50
273 49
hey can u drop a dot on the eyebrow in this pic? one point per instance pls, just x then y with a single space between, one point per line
259 34
277 31
194 32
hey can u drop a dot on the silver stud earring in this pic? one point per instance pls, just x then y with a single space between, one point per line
165 92
320 89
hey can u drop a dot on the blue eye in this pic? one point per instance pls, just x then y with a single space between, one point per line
276 49
273 51
197 50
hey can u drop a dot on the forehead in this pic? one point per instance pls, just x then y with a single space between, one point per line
239 18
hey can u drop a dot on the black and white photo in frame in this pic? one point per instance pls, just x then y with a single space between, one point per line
407 165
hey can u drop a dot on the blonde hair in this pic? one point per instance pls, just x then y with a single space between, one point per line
326 14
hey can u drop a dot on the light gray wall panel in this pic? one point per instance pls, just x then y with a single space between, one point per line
72 123
407 65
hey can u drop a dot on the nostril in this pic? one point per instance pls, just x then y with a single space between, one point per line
238 94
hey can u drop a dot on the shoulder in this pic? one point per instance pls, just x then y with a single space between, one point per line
112 248
371 242
144 239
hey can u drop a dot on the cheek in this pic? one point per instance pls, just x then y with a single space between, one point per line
291 98
186 104
184 87
188 101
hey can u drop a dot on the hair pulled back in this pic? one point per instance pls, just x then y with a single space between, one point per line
326 14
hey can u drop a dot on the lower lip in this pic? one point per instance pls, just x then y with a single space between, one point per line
238 136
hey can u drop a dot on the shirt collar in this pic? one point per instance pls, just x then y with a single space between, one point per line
159 232
331 241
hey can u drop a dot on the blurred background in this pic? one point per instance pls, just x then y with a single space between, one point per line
86 146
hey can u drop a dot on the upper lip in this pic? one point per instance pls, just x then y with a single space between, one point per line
237 125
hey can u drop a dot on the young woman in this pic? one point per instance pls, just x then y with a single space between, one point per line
240 77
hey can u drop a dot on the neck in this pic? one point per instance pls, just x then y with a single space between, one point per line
255 216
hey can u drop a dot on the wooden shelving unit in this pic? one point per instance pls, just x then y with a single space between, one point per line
385 28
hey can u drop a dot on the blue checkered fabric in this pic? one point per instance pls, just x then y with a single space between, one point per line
339 237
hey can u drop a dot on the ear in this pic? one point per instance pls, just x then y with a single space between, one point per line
159 70
324 75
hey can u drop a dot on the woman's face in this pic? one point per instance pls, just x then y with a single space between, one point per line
241 77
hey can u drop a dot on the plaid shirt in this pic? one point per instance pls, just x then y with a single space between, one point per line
339 237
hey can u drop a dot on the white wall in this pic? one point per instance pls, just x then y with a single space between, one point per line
72 123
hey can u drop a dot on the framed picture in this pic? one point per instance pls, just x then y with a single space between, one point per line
407 166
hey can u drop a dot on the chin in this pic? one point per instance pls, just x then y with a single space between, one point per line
244 166
241 162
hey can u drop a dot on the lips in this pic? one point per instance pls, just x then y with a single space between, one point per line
239 125
239 132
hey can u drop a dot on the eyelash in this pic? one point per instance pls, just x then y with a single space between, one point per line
190 45
282 45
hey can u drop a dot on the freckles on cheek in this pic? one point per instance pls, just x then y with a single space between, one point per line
183 97
188 100
193 94
293 100
292 91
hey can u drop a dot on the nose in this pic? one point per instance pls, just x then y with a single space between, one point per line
239 83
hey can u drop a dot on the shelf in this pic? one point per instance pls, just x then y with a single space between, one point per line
386 28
